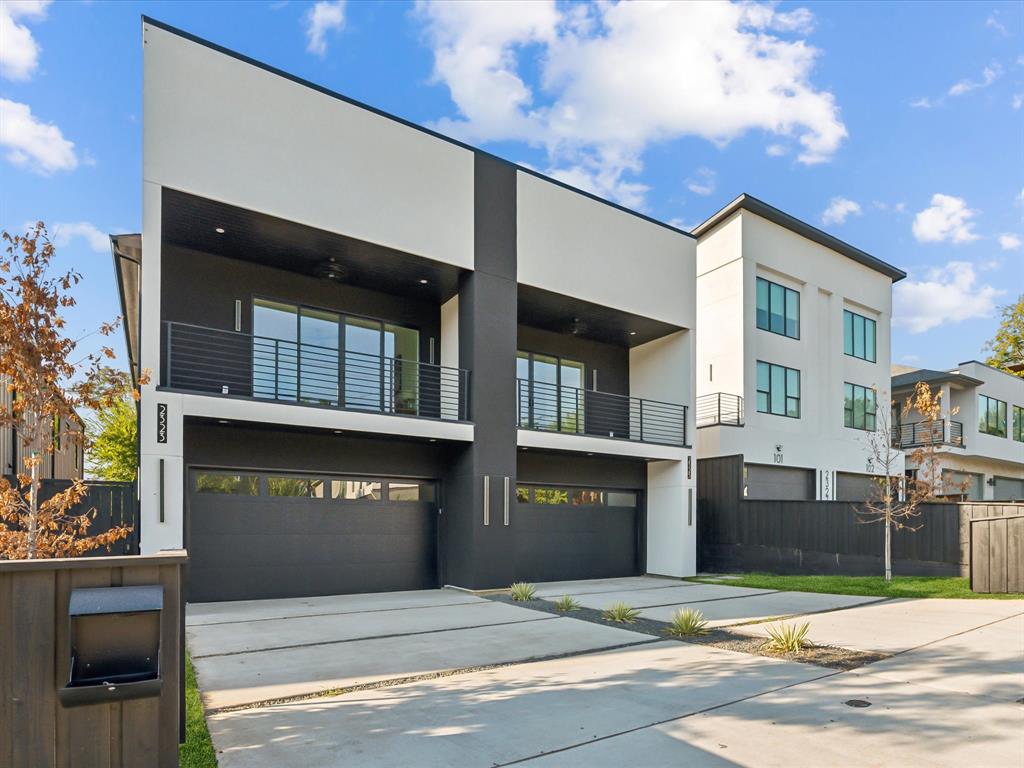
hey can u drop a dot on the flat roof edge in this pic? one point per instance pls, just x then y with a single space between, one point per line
802 228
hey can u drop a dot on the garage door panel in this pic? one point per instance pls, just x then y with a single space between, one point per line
252 547
563 541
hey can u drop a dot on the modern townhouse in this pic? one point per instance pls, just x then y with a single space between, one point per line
792 353
979 437
382 359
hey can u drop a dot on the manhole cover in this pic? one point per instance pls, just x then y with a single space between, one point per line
858 703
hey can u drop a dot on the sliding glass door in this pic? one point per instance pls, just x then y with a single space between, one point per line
317 356
551 392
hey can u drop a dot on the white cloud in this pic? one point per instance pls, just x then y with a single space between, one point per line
616 78
948 294
63 233
19 51
325 16
988 76
948 218
775 150
703 184
993 23
839 208
1009 241
1017 101
922 103
32 144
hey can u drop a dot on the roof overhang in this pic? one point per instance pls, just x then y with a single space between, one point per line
802 228
127 254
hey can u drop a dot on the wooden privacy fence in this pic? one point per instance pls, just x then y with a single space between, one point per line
41 725
997 553
116 504
823 537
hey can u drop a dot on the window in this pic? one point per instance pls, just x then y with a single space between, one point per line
991 416
778 390
522 494
778 309
227 483
859 409
859 336
577 497
295 487
621 499
410 491
586 497
1018 423
550 392
356 490
550 496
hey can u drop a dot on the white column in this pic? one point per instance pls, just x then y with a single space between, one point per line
450 352
161 469
672 518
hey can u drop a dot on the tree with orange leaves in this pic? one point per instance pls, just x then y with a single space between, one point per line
48 381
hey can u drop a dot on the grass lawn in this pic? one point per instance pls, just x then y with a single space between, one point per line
900 586
197 751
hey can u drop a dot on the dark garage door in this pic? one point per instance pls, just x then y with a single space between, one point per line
264 535
567 533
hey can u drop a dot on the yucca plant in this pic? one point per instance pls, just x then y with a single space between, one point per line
687 622
566 603
787 638
521 591
621 613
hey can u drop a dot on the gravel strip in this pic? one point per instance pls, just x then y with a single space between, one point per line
827 656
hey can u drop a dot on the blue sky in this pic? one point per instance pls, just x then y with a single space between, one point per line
896 127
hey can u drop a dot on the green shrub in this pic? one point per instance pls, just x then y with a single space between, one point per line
687 622
787 638
621 613
521 591
566 603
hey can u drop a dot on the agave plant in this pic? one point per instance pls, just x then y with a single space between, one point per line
787 638
621 613
566 603
521 591
687 622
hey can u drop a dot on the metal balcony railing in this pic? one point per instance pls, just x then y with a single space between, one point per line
221 362
719 408
920 434
553 408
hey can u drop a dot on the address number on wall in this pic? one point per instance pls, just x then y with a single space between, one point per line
161 422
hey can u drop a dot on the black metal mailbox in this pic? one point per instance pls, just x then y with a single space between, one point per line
114 638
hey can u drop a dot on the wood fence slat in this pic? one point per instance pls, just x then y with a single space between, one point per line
6 670
1015 554
34 698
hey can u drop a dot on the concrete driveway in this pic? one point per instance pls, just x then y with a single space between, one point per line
444 678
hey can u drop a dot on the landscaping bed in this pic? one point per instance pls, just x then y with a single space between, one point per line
820 655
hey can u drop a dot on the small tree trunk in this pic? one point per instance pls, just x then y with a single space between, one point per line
888 545
33 509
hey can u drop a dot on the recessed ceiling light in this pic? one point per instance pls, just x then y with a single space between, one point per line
223 421
590 454
423 281
433 439
219 230
338 431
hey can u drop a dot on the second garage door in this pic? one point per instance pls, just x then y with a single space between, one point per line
576 533
264 535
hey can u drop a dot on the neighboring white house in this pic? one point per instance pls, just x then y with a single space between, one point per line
980 434
792 341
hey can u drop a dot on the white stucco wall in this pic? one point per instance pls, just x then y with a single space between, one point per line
571 244
827 282
224 129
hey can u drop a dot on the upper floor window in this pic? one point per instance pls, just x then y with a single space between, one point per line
859 408
1018 423
991 416
778 390
778 309
859 336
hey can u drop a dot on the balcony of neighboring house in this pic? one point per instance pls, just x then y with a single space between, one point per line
259 309
942 432
586 373
719 409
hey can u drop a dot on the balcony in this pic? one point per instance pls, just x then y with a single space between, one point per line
719 408
922 434
552 408
213 361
